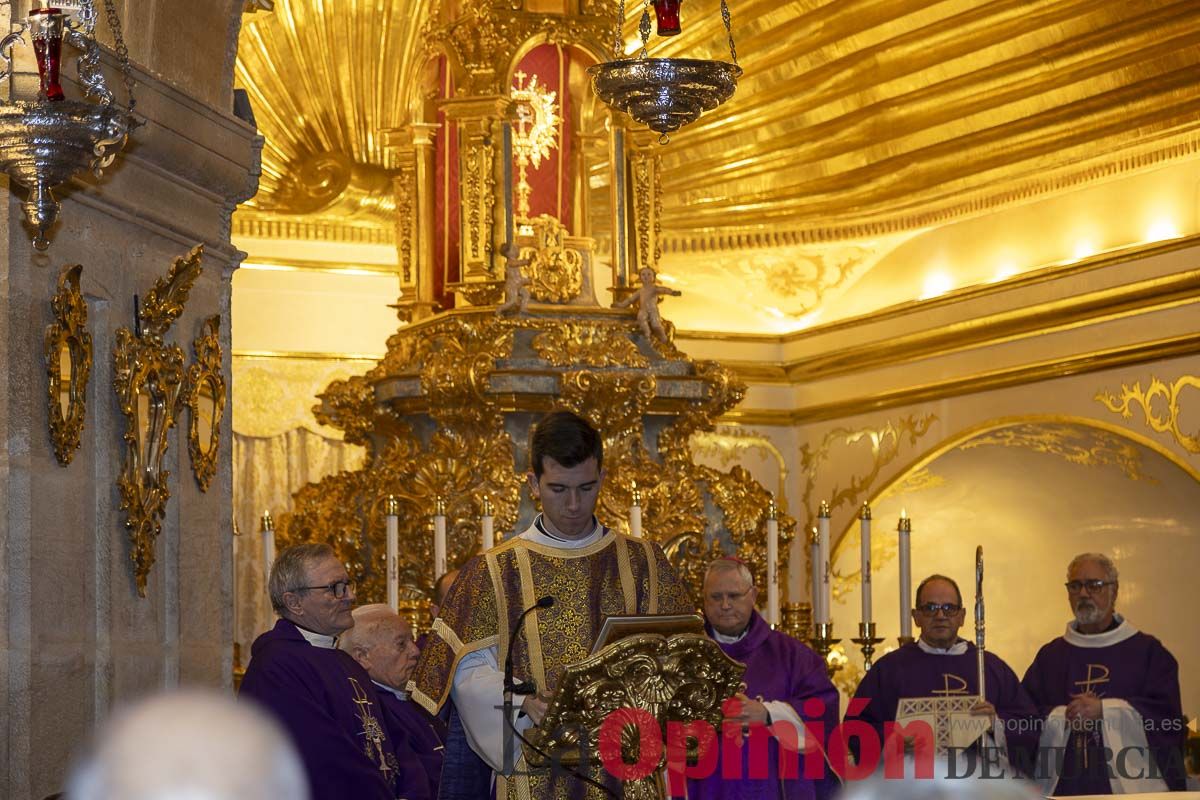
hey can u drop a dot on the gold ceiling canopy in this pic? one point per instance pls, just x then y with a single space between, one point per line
853 119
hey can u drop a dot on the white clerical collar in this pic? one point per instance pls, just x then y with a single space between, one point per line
723 639
397 692
318 639
1106 639
541 536
956 649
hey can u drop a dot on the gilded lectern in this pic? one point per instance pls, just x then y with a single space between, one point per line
640 676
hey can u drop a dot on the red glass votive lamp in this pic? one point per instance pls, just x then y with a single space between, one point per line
46 30
666 13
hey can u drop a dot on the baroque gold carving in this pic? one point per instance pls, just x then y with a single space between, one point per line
727 444
148 376
204 396
1164 421
68 357
1090 447
555 270
480 293
680 677
588 345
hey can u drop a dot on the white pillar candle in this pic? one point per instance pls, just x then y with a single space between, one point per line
487 529
814 578
772 563
864 532
635 513
823 556
268 539
393 552
439 539
904 531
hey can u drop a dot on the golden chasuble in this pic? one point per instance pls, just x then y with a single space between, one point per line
616 575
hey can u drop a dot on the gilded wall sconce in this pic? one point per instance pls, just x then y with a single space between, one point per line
68 356
148 375
205 398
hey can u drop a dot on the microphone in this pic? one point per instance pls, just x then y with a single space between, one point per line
524 687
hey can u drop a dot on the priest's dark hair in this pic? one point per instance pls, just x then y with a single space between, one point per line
936 577
567 438
290 570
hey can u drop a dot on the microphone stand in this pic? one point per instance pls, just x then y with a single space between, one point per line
523 688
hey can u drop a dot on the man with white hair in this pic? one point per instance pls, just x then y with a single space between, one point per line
783 679
382 643
1108 694
198 745
322 697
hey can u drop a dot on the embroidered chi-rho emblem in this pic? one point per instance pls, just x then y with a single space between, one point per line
1097 674
959 686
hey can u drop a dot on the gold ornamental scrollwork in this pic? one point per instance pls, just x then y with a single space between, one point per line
148 376
68 357
204 396
555 271
1165 420
1088 447
613 402
683 677
588 345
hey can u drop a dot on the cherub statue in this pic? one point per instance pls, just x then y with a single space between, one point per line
516 285
647 297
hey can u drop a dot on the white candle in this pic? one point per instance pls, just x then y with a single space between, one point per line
864 532
393 552
487 528
772 564
439 539
814 560
635 513
268 538
904 530
823 551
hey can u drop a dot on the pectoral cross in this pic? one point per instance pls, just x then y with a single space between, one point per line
1097 675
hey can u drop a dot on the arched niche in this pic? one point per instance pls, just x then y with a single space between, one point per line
1034 492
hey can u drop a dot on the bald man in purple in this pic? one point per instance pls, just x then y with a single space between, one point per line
781 674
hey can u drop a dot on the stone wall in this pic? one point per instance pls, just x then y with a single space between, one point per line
76 637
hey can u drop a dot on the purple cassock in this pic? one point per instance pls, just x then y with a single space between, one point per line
1137 680
330 709
780 668
418 740
911 671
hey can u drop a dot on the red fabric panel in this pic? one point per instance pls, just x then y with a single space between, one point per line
551 180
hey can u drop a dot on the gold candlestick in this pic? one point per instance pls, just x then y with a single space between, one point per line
866 642
797 621
823 642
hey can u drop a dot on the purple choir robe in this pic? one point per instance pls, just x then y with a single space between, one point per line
778 667
909 671
1136 669
418 740
328 705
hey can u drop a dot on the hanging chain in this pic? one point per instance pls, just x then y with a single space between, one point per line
618 39
644 28
728 30
114 25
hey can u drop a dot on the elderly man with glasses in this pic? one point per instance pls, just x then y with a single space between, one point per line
1108 695
323 698
940 664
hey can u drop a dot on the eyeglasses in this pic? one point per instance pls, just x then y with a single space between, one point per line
338 588
1095 585
949 609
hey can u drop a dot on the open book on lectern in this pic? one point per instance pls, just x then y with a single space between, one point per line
616 628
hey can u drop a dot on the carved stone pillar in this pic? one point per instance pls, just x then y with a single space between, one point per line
414 192
481 189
